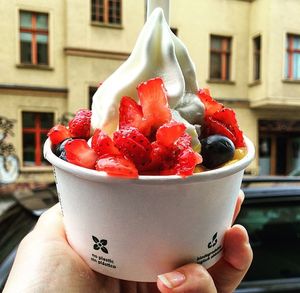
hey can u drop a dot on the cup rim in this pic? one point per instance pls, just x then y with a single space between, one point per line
101 176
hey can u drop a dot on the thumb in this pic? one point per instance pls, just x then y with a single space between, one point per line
190 278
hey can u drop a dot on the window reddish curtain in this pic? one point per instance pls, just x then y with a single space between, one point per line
34 41
107 11
220 55
293 57
35 127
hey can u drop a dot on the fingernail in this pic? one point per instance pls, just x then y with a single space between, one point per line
172 280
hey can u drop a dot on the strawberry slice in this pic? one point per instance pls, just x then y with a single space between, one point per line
58 134
227 117
79 153
168 133
130 113
102 144
212 126
154 102
80 125
117 166
133 145
211 105
184 141
162 157
187 161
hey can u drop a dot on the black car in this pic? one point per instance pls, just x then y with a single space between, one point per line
270 213
19 213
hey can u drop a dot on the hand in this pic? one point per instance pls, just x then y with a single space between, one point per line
45 262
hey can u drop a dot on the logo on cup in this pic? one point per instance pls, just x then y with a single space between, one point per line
213 242
100 244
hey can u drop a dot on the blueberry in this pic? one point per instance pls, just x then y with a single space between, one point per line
60 149
216 150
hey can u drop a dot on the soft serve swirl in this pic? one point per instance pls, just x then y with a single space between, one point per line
157 53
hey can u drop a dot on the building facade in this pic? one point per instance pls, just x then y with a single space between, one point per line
55 53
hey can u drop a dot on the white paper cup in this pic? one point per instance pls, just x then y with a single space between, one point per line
136 229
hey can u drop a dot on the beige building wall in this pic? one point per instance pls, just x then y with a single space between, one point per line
219 17
258 26
84 72
280 90
52 76
83 53
273 20
31 88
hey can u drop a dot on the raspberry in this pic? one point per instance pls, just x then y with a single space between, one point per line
80 125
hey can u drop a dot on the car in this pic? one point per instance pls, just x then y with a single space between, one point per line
270 213
19 212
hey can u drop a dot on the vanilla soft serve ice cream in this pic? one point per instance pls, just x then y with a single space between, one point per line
157 53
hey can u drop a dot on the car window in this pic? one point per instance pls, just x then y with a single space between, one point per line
274 231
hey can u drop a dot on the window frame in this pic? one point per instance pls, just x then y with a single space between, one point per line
91 91
34 31
37 130
257 54
226 50
290 51
105 21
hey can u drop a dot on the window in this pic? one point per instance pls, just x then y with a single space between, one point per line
92 91
106 11
279 152
174 30
256 57
220 55
34 38
293 57
35 128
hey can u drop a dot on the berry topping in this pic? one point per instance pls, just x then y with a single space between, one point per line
161 158
227 118
220 120
216 150
79 153
102 144
213 126
148 141
169 133
80 125
58 133
60 149
154 102
211 105
117 166
186 162
133 145
130 113
184 141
